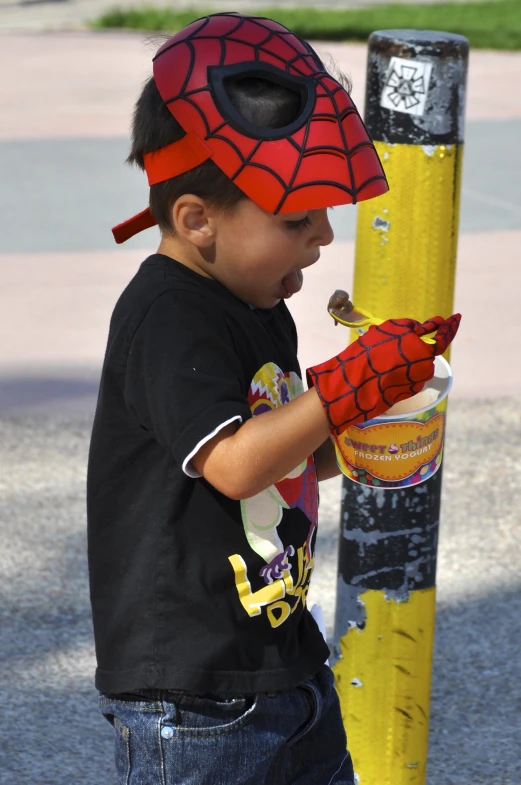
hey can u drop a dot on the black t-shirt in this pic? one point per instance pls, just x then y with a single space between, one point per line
192 590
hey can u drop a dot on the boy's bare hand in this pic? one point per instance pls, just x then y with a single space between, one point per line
387 364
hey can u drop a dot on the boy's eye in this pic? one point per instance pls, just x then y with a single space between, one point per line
299 224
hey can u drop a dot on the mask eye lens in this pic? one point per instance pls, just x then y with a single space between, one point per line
260 100
263 102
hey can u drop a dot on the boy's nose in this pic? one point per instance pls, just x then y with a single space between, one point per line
323 234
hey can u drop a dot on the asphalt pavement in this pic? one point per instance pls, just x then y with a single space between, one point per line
51 732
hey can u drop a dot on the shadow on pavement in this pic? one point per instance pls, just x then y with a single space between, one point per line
23 394
54 734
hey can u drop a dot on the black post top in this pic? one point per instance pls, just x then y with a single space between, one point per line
432 40
416 86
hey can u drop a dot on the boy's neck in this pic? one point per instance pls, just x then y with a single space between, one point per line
191 257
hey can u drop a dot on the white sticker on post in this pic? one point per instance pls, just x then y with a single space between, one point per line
406 86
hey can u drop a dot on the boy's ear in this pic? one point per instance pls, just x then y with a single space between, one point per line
193 220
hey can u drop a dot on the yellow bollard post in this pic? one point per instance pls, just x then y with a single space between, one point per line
405 266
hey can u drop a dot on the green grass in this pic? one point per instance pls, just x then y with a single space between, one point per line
488 25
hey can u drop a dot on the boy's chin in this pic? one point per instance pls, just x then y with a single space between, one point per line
269 299
265 305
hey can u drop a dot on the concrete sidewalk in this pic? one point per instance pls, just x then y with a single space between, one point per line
64 137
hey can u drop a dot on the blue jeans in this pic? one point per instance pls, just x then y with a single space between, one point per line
295 736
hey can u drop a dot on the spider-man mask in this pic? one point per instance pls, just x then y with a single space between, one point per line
323 158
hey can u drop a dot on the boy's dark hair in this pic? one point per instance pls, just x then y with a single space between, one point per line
260 101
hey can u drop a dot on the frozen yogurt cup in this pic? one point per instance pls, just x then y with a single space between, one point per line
404 446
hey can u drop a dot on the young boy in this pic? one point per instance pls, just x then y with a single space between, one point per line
205 451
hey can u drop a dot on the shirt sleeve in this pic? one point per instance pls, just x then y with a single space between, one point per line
184 378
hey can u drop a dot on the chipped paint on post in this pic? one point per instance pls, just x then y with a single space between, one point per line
405 266
383 681
381 224
421 210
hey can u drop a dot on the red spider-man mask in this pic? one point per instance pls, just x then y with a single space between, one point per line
323 158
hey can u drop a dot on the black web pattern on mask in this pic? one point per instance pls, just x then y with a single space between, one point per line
325 86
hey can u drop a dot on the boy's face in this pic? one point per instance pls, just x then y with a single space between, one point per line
260 257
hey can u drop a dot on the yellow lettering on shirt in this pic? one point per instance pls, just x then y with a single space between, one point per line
285 610
272 595
252 602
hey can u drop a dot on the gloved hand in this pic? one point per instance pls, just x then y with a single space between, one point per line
387 364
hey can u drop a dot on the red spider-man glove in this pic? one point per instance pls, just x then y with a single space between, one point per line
387 364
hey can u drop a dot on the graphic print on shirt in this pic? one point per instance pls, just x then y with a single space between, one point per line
279 593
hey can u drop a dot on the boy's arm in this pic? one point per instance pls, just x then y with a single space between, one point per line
387 364
325 461
241 461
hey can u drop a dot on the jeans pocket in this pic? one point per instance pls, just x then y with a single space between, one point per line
209 716
121 748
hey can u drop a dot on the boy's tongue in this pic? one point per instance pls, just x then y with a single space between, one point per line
293 282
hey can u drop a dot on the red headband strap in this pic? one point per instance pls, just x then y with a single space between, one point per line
163 164
138 223
176 158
